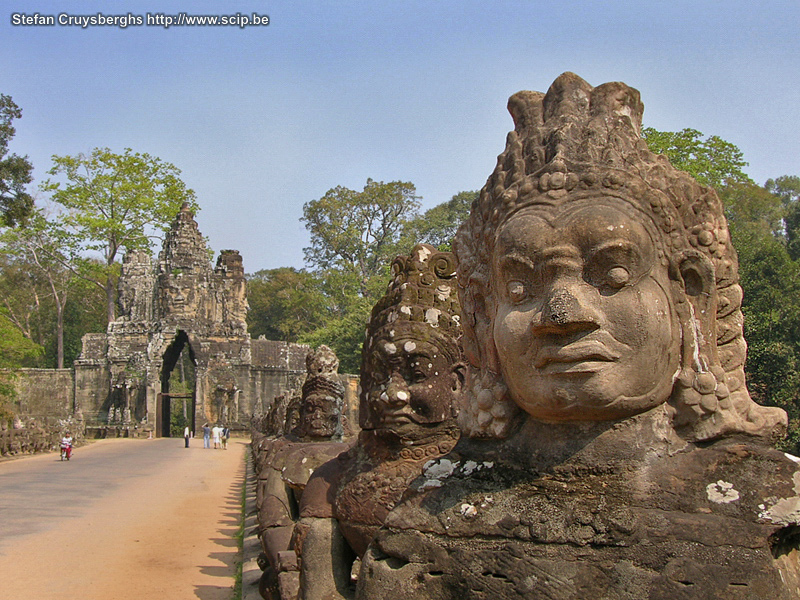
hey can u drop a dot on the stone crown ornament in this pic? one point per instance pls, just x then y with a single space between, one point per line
422 290
576 143
322 365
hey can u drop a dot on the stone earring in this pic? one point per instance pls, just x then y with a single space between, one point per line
698 397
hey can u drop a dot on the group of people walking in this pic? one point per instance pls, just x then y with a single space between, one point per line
218 435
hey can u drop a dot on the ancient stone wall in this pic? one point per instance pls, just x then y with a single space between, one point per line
44 410
46 395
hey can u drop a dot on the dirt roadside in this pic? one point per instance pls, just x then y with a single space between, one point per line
168 535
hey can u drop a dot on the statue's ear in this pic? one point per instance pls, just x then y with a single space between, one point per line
693 273
458 377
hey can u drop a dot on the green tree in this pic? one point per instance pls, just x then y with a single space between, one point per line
36 250
787 189
711 161
357 232
285 303
345 334
354 238
16 172
764 224
84 312
437 225
113 203
15 351
770 278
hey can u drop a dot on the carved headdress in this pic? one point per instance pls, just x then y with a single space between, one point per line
323 380
421 297
578 142
322 366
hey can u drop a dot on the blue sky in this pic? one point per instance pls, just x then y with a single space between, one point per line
262 120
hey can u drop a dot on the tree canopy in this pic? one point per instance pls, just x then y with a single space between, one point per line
113 203
15 351
16 204
711 161
355 236
35 254
358 232
285 304
437 225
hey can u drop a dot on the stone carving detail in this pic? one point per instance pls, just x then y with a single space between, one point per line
580 145
189 291
612 448
411 378
136 285
285 464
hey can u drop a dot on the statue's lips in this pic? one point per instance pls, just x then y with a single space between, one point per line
578 357
396 418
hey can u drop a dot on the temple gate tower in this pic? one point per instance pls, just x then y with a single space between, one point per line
181 304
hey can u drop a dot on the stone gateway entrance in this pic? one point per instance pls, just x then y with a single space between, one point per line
181 306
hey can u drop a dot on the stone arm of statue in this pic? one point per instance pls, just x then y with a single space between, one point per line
326 560
276 517
325 557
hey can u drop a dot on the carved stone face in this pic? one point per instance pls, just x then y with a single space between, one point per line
415 383
319 416
584 328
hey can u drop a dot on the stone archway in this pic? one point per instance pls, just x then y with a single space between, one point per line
166 398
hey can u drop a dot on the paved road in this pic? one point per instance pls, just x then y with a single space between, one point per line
122 519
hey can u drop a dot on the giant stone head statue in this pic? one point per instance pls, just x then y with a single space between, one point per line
412 370
597 281
322 402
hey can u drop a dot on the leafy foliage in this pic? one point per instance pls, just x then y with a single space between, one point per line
345 334
15 351
37 248
437 225
284 304
711 161
113 203
357 232
46 302
764 223
787 189
354 238
770 278
16 172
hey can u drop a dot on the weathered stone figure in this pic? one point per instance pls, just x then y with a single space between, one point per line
613 450
411 378
286 464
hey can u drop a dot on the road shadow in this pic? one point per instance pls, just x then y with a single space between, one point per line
224 559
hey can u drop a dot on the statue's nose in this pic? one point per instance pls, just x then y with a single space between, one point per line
397 391
567 305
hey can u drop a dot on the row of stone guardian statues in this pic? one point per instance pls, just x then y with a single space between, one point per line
557 409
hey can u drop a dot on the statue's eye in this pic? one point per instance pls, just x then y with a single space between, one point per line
617 277
517 292
418 369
